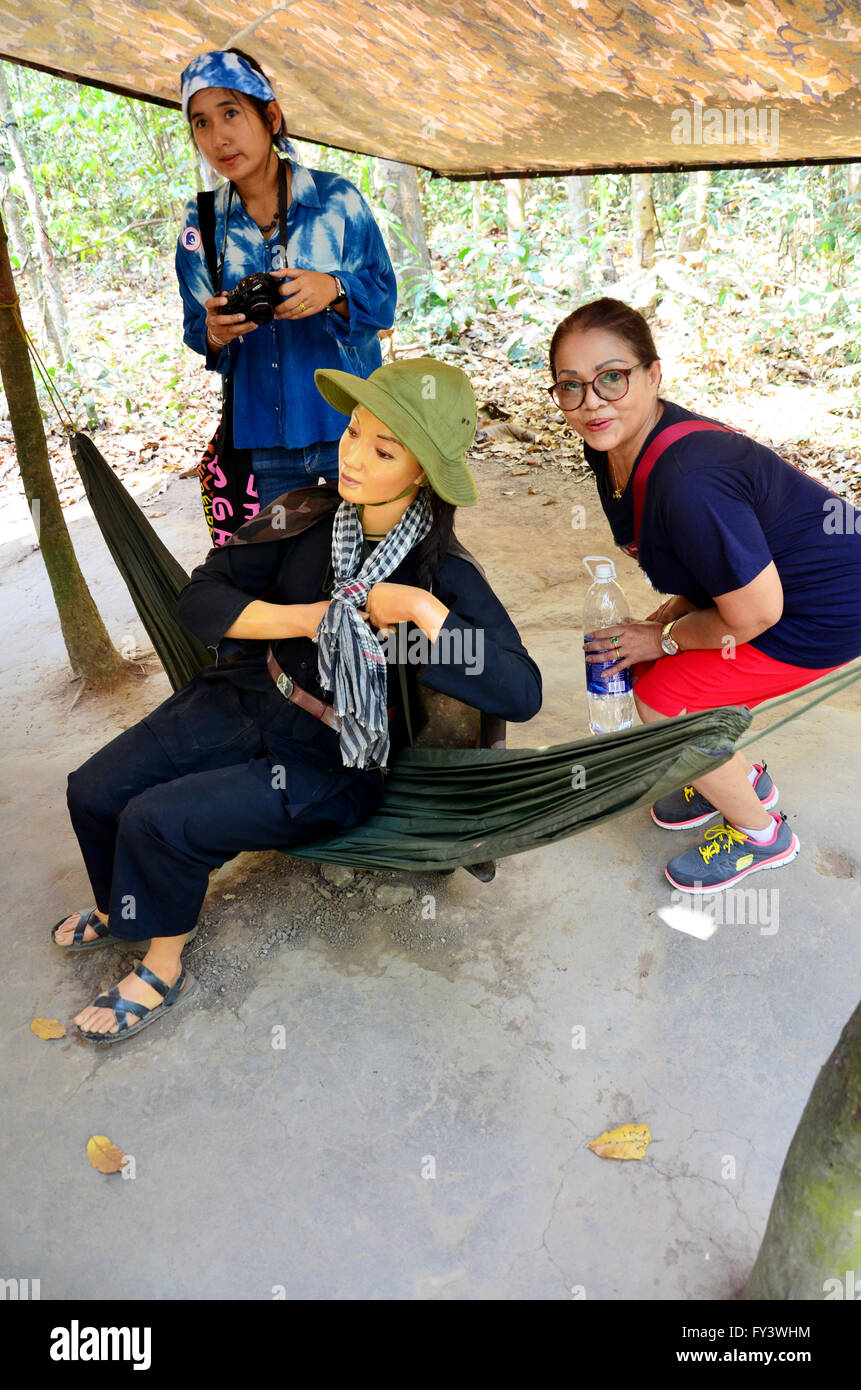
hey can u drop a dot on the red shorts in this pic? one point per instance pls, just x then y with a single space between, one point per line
707 679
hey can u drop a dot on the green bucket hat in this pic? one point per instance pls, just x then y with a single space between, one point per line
428 405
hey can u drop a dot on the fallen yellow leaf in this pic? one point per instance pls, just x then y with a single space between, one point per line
104 1155
47 1028
628 1141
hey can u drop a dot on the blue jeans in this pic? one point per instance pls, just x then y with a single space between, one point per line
282 470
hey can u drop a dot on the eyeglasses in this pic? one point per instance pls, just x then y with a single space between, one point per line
611 385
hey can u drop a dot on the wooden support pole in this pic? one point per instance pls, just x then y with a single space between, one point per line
92 655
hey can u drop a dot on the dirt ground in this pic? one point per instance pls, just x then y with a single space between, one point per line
355 948
521 518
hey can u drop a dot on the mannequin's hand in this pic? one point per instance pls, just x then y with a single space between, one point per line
389 604
315 612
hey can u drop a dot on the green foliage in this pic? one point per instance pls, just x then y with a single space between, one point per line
782 253
113 173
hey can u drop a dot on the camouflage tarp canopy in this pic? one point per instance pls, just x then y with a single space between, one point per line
479 88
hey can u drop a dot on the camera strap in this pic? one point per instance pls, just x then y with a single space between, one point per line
220 272
206 220
282 210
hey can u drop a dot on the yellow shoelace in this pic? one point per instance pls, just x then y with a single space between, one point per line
689 792
715 846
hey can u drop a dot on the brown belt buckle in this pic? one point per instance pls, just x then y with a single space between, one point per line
285 685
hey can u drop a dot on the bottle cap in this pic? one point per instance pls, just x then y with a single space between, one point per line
604 568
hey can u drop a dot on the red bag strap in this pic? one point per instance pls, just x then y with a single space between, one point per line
659 446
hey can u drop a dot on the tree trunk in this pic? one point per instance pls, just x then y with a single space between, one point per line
53 293
643 215
29 268
400 192
692 232
514 215
577 187
853 180
477 189
812 1244
91 652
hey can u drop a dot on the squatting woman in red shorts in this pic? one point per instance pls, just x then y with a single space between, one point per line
766 585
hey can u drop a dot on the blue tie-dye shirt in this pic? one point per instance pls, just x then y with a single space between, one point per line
329 228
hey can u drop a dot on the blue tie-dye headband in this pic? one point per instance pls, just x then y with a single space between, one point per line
229 70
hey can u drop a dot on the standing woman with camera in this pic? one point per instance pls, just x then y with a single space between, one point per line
332 287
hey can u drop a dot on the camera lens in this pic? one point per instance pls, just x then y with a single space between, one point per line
259 309
257 297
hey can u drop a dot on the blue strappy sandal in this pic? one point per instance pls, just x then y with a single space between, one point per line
185 988
88 917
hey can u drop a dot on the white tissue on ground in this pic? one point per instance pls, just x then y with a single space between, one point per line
693 923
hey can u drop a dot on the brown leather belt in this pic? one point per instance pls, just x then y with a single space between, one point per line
291 691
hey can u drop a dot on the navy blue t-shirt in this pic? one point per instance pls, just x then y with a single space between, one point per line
719 508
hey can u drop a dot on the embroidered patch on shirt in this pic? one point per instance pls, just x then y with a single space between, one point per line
190 239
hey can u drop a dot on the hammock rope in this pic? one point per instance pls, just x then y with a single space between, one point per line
67 422
443 807
838 680
449 807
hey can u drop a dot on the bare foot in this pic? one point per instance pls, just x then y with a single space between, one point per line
65 933
94 1020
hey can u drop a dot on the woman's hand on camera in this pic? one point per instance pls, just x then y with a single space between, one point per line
307 292
222 329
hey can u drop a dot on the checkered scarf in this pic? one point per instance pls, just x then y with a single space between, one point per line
350 661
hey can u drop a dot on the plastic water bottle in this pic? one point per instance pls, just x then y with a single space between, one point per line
611 703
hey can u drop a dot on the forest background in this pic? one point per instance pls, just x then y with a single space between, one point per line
751 279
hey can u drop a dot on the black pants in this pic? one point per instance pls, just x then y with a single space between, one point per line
192 785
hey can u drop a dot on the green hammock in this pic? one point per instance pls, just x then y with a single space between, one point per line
449 807
152 576
443 807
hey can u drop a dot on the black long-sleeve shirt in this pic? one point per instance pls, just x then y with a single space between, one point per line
480 658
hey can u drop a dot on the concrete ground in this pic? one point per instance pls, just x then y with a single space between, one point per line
421 1134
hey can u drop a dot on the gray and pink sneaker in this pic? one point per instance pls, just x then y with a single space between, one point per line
727 855
687 808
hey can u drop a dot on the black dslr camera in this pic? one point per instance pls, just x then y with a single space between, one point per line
257 297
